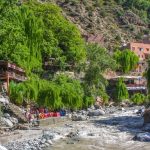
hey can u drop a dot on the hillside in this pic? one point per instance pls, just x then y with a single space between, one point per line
110 22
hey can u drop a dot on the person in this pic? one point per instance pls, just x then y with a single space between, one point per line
45 110
37 116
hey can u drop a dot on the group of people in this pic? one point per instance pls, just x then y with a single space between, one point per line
32 115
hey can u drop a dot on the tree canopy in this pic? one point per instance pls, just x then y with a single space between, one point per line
126 60
99 60
121 91
31 31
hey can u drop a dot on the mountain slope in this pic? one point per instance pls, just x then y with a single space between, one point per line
109 23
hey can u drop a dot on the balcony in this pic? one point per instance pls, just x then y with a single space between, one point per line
6 64
13 76
134 87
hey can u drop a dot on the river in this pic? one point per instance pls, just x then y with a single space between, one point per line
114 131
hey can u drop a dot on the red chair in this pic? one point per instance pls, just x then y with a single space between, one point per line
50 114
58 114
41 110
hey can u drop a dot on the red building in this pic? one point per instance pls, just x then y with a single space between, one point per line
142 50
9 72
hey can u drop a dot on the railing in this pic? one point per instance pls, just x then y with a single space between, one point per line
135 85
13 66
12 75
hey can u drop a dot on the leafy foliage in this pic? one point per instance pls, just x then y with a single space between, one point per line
126 60
137 5
121 91
138 98
98 62
33 31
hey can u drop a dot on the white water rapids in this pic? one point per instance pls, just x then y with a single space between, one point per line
109 132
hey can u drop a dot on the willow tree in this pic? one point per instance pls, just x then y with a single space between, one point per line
121 91
99 60
127 60
71 92
49 96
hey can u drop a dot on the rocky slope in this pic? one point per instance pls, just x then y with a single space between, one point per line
109 24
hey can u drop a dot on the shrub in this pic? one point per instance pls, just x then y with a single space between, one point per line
121 91
138 98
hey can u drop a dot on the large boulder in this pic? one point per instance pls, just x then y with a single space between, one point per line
146 116
6 122
145 137
97 112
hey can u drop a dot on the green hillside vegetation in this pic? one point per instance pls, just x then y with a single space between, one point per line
30 32
115 21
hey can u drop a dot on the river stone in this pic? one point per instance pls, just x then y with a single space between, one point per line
49 142
146 116
79 117
13 120
72 134
47 134
6 122
46 144
145 137
43 141
97 112
90 134
6 115
146 127
2 148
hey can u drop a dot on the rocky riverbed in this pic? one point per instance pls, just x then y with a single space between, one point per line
117 128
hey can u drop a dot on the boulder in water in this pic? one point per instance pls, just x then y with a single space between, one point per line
146 116
146 127
144 137
97 112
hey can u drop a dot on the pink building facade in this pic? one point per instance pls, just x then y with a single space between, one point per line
142 50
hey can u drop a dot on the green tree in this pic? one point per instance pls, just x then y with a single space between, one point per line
126 60
99 61
121 91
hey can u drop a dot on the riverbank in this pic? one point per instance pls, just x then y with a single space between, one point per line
114 130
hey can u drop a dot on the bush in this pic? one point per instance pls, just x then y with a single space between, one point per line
138 98
121 91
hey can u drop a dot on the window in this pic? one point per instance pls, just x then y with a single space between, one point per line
140 49
147 49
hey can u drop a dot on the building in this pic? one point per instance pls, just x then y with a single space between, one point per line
134 84
142 50
10 72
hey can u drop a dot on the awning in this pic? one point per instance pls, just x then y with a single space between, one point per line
136 88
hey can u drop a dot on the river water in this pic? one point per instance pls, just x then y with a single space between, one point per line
110 132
